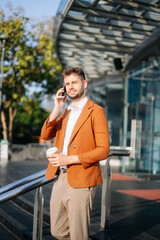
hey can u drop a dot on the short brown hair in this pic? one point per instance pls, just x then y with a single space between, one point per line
77 70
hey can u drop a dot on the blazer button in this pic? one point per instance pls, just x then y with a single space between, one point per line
74 146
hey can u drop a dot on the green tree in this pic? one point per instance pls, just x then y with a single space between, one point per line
29 59
28 120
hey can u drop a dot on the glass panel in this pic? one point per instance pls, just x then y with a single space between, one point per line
144 105
110 96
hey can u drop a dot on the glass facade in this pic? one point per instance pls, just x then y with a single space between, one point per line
142 118
110 97
144 107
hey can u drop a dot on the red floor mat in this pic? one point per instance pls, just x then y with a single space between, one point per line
120 177
149 194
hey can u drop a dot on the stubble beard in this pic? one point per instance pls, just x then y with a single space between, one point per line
78 95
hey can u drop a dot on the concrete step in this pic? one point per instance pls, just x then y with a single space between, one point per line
16 221
5 234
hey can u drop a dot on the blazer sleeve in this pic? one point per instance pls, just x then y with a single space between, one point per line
101 135
49 129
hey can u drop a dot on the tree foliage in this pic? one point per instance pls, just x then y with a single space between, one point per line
28 121
29 60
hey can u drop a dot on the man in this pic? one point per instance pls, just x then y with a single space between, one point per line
81 136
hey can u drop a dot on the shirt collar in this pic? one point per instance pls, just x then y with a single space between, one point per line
80 105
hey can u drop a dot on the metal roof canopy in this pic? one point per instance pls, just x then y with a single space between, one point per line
92 33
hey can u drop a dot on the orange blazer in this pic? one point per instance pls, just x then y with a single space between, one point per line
89 140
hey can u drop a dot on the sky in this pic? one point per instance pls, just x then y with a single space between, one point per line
36 9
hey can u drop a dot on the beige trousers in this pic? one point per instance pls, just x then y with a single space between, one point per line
70 210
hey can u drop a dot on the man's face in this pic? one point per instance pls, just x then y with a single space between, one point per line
75 87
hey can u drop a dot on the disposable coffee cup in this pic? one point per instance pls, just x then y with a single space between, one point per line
51 151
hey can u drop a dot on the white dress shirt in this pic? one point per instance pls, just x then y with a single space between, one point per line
73 117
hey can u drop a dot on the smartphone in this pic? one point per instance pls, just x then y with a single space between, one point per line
64 93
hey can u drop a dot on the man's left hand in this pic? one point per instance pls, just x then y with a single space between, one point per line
58 160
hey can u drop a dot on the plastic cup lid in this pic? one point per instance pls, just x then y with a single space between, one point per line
51 150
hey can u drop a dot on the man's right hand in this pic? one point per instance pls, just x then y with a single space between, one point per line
59 102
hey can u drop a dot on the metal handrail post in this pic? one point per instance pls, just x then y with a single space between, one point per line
35 215
41 206
106 195
38 212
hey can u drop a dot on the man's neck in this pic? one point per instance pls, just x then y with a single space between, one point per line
75 102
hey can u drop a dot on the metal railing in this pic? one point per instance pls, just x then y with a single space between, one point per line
106 186
37 180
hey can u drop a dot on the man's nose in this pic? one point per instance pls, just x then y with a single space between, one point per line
70 86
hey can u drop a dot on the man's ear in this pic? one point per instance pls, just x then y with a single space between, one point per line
85 83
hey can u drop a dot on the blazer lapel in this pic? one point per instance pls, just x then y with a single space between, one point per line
88 108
